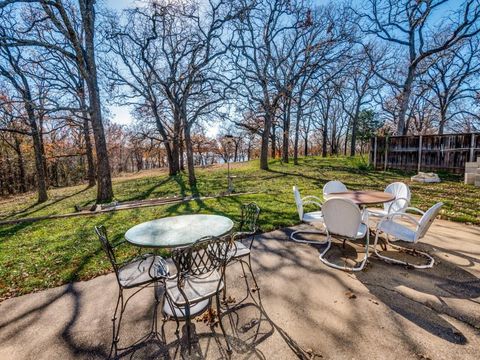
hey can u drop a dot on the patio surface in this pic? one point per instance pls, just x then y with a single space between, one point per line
307 310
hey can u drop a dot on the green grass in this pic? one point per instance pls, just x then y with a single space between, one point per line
48 253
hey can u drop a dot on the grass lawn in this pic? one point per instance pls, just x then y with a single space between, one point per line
48 253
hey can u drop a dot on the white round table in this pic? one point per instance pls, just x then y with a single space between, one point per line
178 231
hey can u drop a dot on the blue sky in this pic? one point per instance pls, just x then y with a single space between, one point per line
121 114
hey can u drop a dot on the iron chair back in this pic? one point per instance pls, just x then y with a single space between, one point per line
101 232
202 257
248 222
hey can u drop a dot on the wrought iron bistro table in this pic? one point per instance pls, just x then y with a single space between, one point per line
178 231
363 198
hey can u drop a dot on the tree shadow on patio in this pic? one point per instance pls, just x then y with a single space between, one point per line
247 326
425 296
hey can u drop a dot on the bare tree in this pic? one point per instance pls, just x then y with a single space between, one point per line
12 69
173 58
58 32
259 52
407 24
454 80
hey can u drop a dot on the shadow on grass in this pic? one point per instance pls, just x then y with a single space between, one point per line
33 209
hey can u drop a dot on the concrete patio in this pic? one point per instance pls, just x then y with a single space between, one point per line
307 310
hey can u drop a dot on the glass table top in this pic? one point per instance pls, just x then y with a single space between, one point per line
178 231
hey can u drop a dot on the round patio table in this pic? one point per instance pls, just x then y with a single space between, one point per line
363 198
178 231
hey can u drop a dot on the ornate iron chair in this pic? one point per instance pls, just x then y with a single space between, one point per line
137 273
405 233
199 278
343 219
243 240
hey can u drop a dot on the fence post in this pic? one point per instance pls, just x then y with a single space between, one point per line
375 154
419 153
386 154
472 148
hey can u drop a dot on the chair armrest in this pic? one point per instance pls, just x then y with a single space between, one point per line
313 202
365 216
132 259
400 215
242 234
398 199
414 209
310 197
118 243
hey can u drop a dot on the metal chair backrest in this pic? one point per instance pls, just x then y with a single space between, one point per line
248 222
334 186
342 217
427 220
298 202
107 247
402 194
202 257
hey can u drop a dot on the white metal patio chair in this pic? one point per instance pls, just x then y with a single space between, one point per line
402 195
405 233
333 186
313 218
343 219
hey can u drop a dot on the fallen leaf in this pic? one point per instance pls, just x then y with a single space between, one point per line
350 295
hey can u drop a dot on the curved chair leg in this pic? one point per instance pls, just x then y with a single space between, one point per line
229 349
429 264
116 327
251 272
294 238
346 268
114 347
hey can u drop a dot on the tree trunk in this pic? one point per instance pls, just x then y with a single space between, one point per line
176 146
325 128
346 140
297 129
443 120
104 180
353 141
192 180
38 152
286 130
404 100
264 144
21 165
172 154
273 142
88 151
181 152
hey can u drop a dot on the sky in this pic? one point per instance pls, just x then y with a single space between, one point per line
121 114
